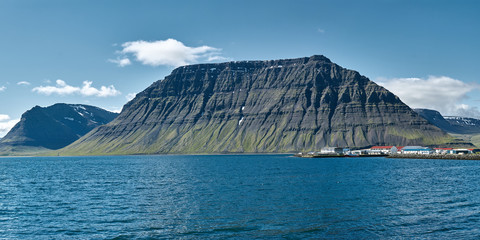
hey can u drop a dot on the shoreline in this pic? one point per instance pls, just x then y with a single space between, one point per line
437 156
402 156
338 156
398 156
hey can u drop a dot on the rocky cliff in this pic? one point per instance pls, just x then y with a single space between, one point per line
53 127
259 106
435 118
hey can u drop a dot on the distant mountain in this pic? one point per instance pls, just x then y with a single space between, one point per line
451 124
53 127
259 106
468 125
435 118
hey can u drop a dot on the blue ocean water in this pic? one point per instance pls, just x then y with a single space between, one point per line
238 197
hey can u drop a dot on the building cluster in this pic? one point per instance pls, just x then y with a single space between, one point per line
389 150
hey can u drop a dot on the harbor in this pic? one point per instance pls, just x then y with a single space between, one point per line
415 152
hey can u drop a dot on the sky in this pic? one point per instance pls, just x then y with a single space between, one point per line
102 53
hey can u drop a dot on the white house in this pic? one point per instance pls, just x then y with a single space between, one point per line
383 150
443 150
331 150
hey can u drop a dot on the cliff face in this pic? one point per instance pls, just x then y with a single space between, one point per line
54 127
435 118
259 106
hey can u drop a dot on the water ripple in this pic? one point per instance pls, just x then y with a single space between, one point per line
237 197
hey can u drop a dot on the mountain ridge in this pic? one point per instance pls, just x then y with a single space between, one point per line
451 124
53 127
282 105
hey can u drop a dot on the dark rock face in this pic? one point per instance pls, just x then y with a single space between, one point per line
259 106
451 124
56 126
435 118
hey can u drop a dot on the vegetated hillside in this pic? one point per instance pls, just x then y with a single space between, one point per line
259 106
53 127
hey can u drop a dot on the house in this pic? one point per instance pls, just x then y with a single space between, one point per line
331 150
399 149
416 150
443 150
383 150
360 152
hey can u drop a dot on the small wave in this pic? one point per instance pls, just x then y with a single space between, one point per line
236 229
121 237
444 229
222 230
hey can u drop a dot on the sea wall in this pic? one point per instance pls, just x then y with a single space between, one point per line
438 156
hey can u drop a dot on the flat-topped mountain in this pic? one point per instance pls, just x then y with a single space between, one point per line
259 106
53 127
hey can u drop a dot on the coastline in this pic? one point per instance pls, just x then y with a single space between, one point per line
437 156
398 156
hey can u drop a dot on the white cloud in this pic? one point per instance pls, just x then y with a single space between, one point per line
88 90
6 124
121 62
114 109
24 83
169 52
443 94
465 110
4 117
62 88
2 88
130 96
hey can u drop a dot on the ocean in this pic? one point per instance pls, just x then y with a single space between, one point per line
238 197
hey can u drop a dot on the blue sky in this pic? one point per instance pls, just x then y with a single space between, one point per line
103 52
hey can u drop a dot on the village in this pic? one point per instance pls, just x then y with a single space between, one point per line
380 151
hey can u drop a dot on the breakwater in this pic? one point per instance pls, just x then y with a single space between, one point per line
438 156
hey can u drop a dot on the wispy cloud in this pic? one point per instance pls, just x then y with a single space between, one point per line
88 90
442 93
130 96
23 83
4 117
114 109
121 62
168 52
6 124
2 88
320 30
62 88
